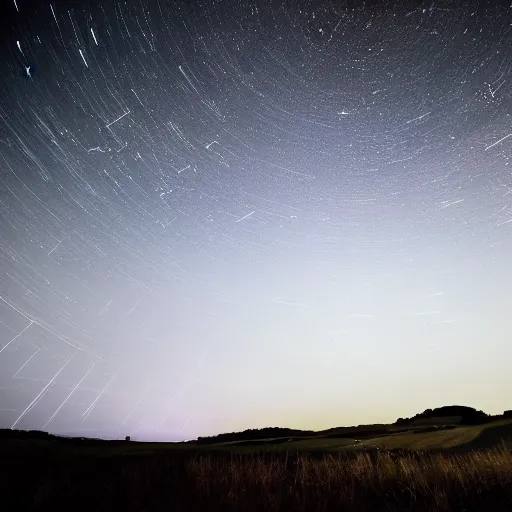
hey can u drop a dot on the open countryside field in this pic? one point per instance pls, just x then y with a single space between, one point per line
460 468
415 438
448 438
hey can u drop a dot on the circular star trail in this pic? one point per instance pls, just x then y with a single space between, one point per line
227 215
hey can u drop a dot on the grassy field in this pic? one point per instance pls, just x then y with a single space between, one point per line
458 438
464 468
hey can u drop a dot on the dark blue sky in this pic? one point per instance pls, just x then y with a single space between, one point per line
228 215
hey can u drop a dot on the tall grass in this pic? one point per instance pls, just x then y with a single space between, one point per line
288 482
368 481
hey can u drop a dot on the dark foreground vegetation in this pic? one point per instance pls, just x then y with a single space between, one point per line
184 480
442 460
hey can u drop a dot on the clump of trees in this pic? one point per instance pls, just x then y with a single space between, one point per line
468 415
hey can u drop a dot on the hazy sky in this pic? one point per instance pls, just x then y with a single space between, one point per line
226 215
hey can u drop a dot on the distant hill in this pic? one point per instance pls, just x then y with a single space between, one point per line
38 435
447 415
254 434
27 434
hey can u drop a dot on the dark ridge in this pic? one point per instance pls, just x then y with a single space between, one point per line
38 435
467 415
255 434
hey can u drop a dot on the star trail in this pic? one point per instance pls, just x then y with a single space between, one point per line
237 214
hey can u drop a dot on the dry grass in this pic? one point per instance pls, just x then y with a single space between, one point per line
408 440
143 478
427 441
378 481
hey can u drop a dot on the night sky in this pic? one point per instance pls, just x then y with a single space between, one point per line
225 215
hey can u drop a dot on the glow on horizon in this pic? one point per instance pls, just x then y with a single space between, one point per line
230 218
